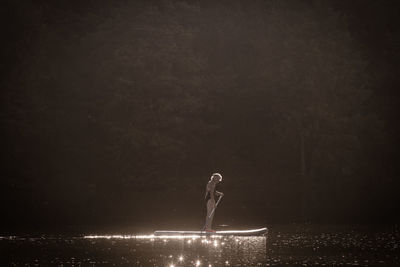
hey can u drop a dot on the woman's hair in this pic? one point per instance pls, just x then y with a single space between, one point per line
216 176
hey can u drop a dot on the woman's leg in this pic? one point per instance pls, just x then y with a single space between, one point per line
209 219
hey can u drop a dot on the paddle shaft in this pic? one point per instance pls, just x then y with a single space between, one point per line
216 204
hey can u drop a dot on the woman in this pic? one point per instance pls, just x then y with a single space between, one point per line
211 195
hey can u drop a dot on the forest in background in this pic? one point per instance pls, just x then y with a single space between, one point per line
110 110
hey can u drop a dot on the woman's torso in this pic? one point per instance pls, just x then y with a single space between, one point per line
211 188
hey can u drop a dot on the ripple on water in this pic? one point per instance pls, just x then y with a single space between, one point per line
301 246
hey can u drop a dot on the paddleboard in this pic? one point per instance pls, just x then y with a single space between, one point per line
251 232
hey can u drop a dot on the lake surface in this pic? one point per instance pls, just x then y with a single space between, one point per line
292 245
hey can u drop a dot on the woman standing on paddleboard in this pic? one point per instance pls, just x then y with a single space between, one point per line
211 195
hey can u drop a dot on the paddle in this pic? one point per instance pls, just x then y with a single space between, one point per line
216 204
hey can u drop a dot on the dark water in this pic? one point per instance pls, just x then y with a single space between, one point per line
284 245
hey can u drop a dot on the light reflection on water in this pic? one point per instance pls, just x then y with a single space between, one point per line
146 250
293 246
214 250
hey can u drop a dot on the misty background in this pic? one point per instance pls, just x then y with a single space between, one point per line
116 113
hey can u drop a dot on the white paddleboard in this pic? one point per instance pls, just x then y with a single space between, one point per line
251 232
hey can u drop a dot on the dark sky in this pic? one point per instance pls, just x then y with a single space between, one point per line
115 114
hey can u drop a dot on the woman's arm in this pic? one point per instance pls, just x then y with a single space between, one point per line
219 193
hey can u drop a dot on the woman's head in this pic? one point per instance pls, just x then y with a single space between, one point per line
216 177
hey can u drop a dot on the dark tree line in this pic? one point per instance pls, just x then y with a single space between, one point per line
109 105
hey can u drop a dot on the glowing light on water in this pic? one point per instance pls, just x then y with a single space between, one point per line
151 237
171 257
146 250
111 236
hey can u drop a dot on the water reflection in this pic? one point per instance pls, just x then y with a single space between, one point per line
292 246
195 250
